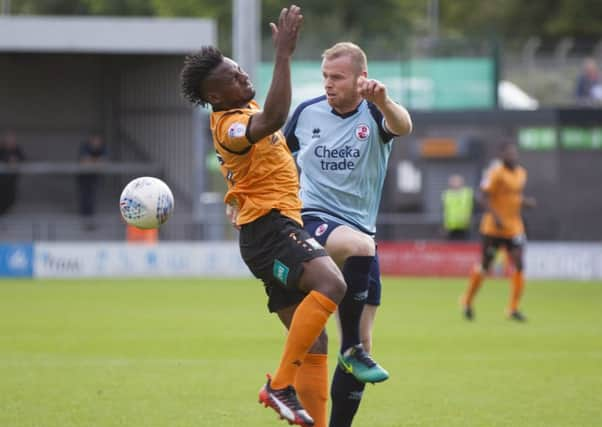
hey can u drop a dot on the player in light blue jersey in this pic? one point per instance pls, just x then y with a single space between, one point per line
342 141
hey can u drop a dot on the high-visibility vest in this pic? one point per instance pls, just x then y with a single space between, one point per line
457 208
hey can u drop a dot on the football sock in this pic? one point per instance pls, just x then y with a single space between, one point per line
476 278
308 321
356 271
311 384
518 283
346 394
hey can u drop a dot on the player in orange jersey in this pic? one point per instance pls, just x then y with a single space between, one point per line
502 226
263 186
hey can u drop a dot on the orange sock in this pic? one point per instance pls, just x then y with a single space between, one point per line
311 384
476 278
308 321
518 283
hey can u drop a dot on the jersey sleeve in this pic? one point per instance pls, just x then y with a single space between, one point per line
232 133
385 134
289 131
490 180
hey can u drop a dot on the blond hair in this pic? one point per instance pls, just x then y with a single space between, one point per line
353 51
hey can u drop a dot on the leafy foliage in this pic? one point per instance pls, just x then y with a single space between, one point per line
381 22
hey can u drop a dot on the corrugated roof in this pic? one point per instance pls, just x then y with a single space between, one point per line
104 34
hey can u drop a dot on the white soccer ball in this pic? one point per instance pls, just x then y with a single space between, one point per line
146 202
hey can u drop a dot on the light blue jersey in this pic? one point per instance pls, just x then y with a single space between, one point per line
342 161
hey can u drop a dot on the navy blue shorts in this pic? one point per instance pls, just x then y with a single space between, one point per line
320 229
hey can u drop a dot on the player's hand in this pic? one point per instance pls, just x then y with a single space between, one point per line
232 214
286 32
529 202
372 90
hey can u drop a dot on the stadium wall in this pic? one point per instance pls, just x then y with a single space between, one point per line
578 261
560 148
153 116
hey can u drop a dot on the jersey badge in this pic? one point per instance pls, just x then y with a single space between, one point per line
321 229
362 132
237 130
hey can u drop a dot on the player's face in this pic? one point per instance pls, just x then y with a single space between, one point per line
510 154
229 85
340 83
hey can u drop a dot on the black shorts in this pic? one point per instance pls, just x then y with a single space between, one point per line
274 247
491 244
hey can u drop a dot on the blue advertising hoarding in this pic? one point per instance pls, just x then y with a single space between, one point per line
16 260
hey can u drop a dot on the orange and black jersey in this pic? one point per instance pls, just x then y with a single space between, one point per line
262 175
504 188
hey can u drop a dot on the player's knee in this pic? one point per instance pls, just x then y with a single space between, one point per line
348 242
486 264
322 275
338 288
362 245
517 259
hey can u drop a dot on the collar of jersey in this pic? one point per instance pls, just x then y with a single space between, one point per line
349 114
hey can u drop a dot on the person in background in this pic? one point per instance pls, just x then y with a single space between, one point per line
11 154
92 151
502 226
457 208
588 90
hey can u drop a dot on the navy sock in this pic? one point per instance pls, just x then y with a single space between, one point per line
357 275
346 394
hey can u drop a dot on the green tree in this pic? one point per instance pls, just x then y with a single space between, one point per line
519 19
49 7
378 25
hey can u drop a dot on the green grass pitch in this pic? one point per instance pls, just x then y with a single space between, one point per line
184 353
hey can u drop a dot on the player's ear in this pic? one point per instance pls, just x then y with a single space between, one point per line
213 98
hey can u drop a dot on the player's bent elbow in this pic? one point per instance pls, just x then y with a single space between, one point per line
407 127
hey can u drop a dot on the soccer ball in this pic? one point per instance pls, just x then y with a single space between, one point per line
146 202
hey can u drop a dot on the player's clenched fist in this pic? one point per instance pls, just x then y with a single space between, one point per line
372 90
286 32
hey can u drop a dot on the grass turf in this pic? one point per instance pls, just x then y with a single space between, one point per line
194 353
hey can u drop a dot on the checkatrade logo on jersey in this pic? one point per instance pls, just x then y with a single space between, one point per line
333 159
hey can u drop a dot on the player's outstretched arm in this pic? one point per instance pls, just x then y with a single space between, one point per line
278 100
397 118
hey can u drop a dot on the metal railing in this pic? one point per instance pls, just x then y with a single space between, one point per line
211 227
73 168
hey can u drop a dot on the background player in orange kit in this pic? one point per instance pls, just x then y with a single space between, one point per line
502 226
